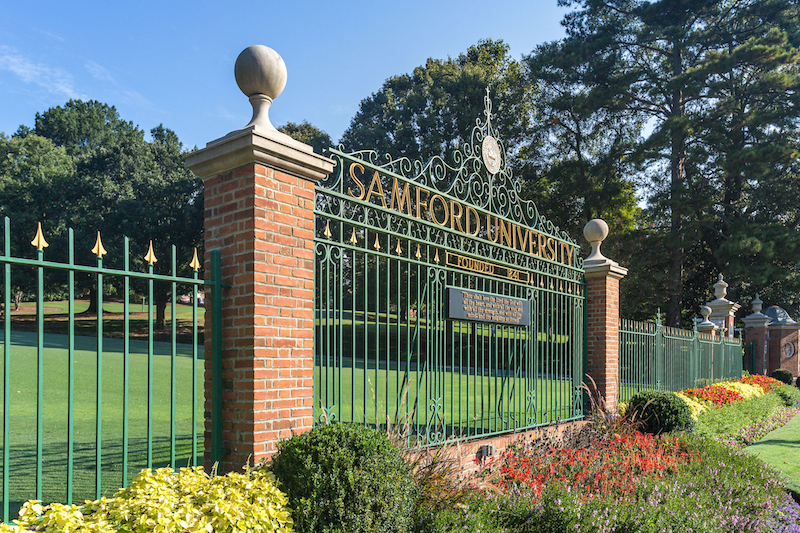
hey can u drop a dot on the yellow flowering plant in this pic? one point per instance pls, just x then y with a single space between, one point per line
165 500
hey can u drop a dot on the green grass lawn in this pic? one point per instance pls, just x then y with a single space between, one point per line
446 401
22 409
780 449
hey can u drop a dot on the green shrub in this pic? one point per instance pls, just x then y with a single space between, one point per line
784 375
659 412
788 394
165 500
345 478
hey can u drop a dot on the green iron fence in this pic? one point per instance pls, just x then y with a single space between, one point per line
89 400
653 356
444 303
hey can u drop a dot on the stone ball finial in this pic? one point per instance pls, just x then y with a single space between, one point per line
706 325
595 231
720 288
261 75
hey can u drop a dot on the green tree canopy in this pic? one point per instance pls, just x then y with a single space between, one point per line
433 110
309 134
83 167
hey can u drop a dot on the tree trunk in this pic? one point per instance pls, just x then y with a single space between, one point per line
677 165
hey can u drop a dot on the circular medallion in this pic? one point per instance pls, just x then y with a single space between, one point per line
788 350
491 154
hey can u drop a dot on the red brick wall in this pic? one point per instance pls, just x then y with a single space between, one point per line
757 334
603 335
262 221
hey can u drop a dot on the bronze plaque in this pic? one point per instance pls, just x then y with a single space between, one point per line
486 307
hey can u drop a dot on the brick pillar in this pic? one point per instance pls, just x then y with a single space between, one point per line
602 289
259 213
756 330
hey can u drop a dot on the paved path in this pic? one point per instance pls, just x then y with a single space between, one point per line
781 450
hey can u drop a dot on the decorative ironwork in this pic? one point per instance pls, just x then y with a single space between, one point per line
98 249
86 469
38 241
655 356
151 256
385 348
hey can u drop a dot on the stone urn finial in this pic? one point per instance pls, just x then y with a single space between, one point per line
595 231
757 304
261 75
720 288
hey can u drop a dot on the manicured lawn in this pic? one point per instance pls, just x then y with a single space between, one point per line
780 449
22 410
457 401
56 319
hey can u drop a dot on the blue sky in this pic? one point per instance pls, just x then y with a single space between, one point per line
172 62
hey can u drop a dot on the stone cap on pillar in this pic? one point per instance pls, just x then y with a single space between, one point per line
261 75
721 307
756 318
595 231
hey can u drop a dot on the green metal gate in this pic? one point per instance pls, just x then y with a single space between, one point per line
445 303
84 407
654 356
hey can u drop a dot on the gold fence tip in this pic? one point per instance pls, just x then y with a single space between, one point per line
98 249
195 264
39 241
150 257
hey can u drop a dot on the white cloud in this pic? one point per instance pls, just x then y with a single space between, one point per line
55 80
99 73
136 98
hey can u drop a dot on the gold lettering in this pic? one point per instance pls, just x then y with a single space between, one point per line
493 235
505 233
433 210
566 254
521 237
421 206
551 247
358 181
542 250
471 211
403 198
376 180
455 220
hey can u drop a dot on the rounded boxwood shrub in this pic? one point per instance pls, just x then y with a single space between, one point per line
781 374
345 478
659 412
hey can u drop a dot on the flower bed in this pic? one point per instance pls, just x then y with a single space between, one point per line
715 395
756 431
609 466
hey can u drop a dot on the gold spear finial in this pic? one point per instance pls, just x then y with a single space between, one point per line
195 264
150 257
98 249
39 241
353 239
